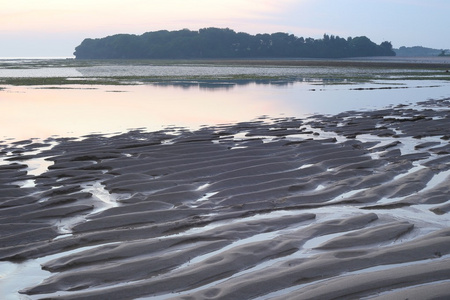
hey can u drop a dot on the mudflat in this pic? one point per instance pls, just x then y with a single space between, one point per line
351 205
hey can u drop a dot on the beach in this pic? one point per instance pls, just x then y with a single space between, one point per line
225 150
350 205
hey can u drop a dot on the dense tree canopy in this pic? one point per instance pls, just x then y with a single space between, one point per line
417 51
226 43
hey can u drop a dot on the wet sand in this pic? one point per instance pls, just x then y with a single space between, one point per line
352 205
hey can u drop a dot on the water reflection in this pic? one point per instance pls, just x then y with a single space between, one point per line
77 110
215 84
222 85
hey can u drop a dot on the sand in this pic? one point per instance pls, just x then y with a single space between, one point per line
346 206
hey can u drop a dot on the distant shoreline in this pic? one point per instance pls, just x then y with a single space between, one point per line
393 62
67 71
372 61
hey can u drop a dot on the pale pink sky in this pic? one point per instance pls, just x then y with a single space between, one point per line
30 28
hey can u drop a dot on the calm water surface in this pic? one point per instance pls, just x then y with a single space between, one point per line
41 112
74 110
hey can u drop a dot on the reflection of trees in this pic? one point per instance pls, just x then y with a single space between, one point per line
230 84
226 43
222 85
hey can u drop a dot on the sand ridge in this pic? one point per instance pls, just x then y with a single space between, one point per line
272 208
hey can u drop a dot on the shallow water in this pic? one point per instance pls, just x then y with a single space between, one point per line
109 68
75 110
40 112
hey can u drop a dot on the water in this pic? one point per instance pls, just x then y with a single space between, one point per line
75 110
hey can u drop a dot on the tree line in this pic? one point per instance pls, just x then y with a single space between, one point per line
209 43
417 51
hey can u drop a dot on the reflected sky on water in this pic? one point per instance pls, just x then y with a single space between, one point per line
41 112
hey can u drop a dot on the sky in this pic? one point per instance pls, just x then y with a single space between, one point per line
53 28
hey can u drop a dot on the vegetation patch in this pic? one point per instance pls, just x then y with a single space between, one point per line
226 43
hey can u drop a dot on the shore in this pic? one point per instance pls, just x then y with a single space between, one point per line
351 205
431 62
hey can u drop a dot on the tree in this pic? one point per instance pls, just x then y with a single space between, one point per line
386 49
225 43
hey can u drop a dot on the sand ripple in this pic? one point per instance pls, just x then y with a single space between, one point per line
352 205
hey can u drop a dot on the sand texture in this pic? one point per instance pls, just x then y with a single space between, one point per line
349 206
